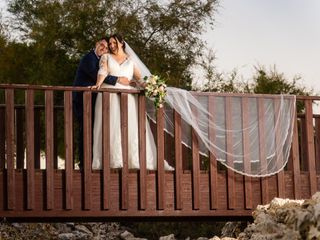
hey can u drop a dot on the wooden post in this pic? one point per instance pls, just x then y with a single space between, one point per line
310 147
296 160
87 143
212 158
68 139
230 173
49 148
30 148
142 154
262 153
9 133
160 158
246 150
178 157
124 144
279 153
106 149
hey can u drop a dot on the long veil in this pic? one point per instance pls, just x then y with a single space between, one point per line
250 134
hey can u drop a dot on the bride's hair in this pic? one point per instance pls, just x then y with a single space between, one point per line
119 39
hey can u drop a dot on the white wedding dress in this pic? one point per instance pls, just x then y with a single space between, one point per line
124 69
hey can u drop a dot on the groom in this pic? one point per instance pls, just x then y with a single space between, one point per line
86 76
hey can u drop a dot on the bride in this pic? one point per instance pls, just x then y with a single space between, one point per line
119 63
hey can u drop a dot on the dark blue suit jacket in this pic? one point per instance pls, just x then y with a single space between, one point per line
87 76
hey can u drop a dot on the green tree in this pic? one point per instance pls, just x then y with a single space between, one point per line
165 34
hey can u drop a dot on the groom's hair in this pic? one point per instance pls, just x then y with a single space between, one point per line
119 38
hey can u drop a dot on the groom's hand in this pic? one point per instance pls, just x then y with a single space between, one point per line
123 80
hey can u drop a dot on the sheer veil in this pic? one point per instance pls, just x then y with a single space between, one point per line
250 134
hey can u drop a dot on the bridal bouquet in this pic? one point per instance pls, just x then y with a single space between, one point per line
155 89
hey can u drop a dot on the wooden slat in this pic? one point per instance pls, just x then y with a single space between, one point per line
30 148
68 139
229 140
178 158
160 159
195 168
262 153
124 144
49 148
310 147
296 160
2 137
9 132
37 138
142 154
303 144
106 149
212 158
246 151
317 144
19 138
279 153
87 142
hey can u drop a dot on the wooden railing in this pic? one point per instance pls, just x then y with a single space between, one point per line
42 121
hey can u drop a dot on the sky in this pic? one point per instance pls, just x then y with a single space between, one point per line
284 33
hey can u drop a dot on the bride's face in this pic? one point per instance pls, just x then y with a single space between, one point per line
114 45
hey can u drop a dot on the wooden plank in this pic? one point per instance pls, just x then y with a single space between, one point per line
246 151
9 133
49 149
19 138
68 139
106 149
212 158
142 153
160 160
30 148
296 160
317 144
2 137
178 158
262 153
229 140
37 137
303 144
124 144
87 150
195 168
310 147
279 152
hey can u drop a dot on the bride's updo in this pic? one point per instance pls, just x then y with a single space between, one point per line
119 39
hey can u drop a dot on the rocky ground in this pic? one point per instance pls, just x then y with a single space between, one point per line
281 219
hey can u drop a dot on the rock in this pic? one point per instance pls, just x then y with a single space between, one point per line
126 235
84 229
66 236
215 238
202 238
169 237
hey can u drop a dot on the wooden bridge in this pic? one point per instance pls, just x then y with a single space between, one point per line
198 187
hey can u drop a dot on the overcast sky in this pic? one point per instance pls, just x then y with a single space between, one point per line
285 33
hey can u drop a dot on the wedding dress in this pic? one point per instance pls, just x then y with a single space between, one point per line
124 69
273 115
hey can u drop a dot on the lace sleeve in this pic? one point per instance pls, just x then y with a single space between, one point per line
103 65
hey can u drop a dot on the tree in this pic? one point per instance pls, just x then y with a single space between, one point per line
165 34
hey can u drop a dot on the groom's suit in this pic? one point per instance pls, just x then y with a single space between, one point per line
86 76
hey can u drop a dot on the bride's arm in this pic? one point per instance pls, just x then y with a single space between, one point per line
103 72
137 77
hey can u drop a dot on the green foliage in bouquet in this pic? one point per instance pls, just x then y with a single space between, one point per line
155 89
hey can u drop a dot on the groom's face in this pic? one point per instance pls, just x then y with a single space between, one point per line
101 47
